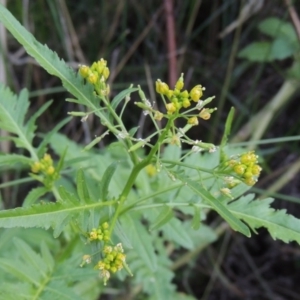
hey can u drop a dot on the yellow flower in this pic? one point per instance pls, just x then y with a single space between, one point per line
193 121
186 103
158 115
151 170
204 114
106 72
92 77
196 93
36 167
161 87
179 84
50 170
84 70
171 108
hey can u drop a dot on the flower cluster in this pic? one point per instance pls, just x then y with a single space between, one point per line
45 168
100 234
97 74
113 261
246 167
179 98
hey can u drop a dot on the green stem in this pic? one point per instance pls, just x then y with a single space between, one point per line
134 173
132 155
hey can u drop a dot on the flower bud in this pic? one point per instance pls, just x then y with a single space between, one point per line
106 73
196 93
186 103
161 87
171 108
180 83
193 121
84 71
204 114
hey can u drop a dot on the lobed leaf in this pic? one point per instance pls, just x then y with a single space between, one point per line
12 118
140 239
221 209
258 213
45 215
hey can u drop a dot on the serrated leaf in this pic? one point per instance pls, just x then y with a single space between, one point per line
50 61
175 232
258 213
12 118
106 178
34 195
165 215
140 239
67 197
45 215
31 257
222 210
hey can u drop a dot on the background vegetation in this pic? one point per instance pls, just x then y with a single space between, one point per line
146 40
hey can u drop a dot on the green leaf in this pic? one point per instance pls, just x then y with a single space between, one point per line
294 71
258 213
42 277
82 189
275 27
118 98
222 210
67 197
196 222
34 195
226 134
106 178
257 52
166 214
227 127
12 118
31 257
54 66
61 161
41 149
93 143
31 127
282 48
10 159
140 239
175 232
46 215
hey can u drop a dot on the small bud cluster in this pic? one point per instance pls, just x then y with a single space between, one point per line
100 234
151 170
180 98
113 261
45 168
246 167
97 74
